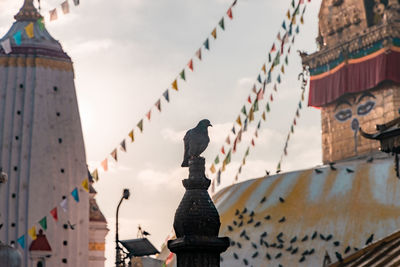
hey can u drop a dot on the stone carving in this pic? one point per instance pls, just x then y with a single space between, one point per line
3 177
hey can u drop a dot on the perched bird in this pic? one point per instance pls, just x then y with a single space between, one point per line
370 159
278 171
338 256
268 256
314 235
302 259
255 254
244 210
278 255
267 217
240 216
240 224
254 245
332 166
266 173
247 237
294 239
311 251
250 221
266 244
263 234
237 212
289 248
257 224
233 243
336 243
234 222
347 250
349 170
251 214
322 237
279 235
195 141
369 240
273 245
145 233
239 245
317 171
294 251
305 238
280 246
243 233
283 219
329 237
245 261
305 252
263 200
235 256
282 200
261 241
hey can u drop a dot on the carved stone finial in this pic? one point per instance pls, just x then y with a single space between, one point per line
197 223
28 12
3 177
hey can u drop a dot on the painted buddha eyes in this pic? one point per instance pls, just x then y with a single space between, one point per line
343 114
364 109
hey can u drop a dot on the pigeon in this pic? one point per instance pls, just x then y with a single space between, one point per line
280 246
257 224
243 233
289 248
263 200
283 219
347 250
237 212
282 200
268 256
145 233
267 217
240 224
1 225
251 214
370 160
369 240
311 251
279 235
266 244
264 234
293 239
349 170
317 171
338 256
250 221
278 255
332 166
302 259
234 222
255 254
336 243
329 237
233 243
239 245
235 256
294 251
314 235
244 210
305 238
195 141
266 173
322 236
254 245
246 262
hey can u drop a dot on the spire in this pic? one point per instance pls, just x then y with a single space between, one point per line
28 12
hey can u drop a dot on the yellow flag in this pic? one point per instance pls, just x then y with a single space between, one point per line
85 184
95 175
263 115
29 30
131 135
239 121
288 14
212 168
244 161
32 233
283 69
214 33
175 85
263 69
301 20
251 114
223 166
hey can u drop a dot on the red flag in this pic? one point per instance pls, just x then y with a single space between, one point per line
294 122
54 213
273 48
260 95
229 13
148 115
228 141
190 64
249 99
252 142
223 150
271 97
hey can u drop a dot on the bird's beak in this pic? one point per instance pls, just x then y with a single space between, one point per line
210 125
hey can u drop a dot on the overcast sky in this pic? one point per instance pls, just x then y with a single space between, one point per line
127 52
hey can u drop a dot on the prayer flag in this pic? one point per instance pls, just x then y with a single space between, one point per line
104 164
175 84
239 121
114 154
212 191
132 136
216 161
190 64
212 168
297 113
182 74
206 44
259 78
234 144
256 134
64 204
21 241
260 95
76 2
284 25
32 233
223 166
123 145
271 98
273 48
279 36
277 59
95 175
267 108
279 78
255 105
269 78
43 223
148 115
293 3
252 142
251 114
40 22
240 169
275 88
239 136
297 29
282 69
18 38
248 100
228 157
227 140
222 24
85 184
233 130
223 150
244 161
263 116
54 214
286 60
75 194
278 168
158 104
236 177
259 125
269 57
214 33
198 54
234 2
6 44
229 13
301 20
53 14
244 110
140 125
294 122
291 129
264 69
300 105
254 91
247 152
288 14
65 7
29 30
219 177
166 95
245 124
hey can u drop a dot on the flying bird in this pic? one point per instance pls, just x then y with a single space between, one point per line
195 141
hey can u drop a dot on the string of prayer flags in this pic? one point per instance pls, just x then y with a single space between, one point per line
166 95
148 115
190 64
32 233
175 85
114 154
54 214
75 194
229 13
21 241
214 33
64 204
29 30
53 14
104 164
6 44
65 7
17 38
85 184
43 223
222 24
182 74
206 44
140 125
123 145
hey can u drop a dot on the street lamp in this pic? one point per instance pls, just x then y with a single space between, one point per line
118 261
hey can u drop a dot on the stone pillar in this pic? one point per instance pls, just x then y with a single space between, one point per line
197 223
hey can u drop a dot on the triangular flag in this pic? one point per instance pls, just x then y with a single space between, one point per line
114 154
75 194
85 184
252 142
263 116
21 241
140 125
259 78
251 114
190 64
229 13
244 161
207 44
228 157
301 20
234 144
219 177
54 214
283 69
247 152
300 105
198 54
297 113
264 69
248 100
216 161
286 60
240 169
284 25
64 204
6 44
269 78
166 95
236 177
275 88
269 57
175 84
53 14
294 122
254 91
293 3
258 126
32 233
256 134
279 78
271 98
40 22
182 74
279 36
148 115
212 168
95 175
288 14
297 29
227 140
76 2
245 124
273 48
65 7
43 223
255 105
234 2
222 24
239 121
260 95
123 145
132 136
18 38
233 130
214 33
267 108
239 136
158 104
223 166
291 129
223 150
244 110
104 164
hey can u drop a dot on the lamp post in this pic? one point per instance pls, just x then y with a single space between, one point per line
118 261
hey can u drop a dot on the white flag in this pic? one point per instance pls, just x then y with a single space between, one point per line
6 46
64 204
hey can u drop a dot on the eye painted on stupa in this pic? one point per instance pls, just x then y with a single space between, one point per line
365 103
344 114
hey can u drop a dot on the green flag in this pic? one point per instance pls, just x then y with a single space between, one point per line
216 161
221 23
277 59
268 107
43 223
228 157
300 105
286 60
247 152
255 106
183 75
244 110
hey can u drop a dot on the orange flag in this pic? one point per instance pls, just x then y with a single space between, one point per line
214 33
175 85
239 121
212 168
104 164
132 136
263 116
190 64
148 115
229 13
264 69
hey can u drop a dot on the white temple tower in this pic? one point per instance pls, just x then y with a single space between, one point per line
42 148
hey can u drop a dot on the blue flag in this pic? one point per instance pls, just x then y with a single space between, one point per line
284 25
297 29
207 45
18 38
259 78
21 241
166 95
233 130
269 77
75 194
279 78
